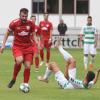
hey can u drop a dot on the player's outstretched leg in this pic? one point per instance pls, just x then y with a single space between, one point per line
52 67
46 75
17 68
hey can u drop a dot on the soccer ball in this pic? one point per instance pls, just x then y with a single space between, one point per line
24 87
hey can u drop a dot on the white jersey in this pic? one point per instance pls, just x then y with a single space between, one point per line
79 84
62 81
89 32
71 83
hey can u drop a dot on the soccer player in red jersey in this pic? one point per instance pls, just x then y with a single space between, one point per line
22 48
46 38
36 45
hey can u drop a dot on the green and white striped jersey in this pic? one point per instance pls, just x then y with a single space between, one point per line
78 84
89 32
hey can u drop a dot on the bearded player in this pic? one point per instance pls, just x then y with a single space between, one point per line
22 48
69 81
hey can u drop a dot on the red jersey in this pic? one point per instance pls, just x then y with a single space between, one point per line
45 29
21 32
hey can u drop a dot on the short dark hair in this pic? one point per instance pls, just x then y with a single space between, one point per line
89 17
24 10
90 76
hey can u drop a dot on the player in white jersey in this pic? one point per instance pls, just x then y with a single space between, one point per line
88 36
68 81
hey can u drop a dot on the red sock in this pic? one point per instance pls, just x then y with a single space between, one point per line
26 75
42 54
48 55
16 70
37 62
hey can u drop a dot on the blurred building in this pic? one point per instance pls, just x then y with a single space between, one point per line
74 12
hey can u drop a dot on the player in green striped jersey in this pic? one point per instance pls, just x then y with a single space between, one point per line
89 38
69 81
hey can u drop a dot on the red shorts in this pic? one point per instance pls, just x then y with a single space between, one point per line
26 53
45 44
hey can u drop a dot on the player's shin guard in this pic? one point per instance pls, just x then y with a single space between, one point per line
85 62
37 62
48 55
42 55
26 75
65 54
91 63
47 73
17 68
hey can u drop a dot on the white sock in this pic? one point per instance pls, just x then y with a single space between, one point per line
65 54
85 61
47 73
72 73
92 60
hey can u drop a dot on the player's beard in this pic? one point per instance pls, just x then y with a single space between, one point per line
23 20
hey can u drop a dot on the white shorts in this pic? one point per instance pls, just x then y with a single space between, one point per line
62 81
89 48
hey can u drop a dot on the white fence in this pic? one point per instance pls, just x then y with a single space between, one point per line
70 40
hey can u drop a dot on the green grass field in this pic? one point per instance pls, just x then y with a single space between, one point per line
44 91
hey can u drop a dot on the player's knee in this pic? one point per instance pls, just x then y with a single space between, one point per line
36 55
86 55
51 65
73 62
19 61
92 55
27 64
